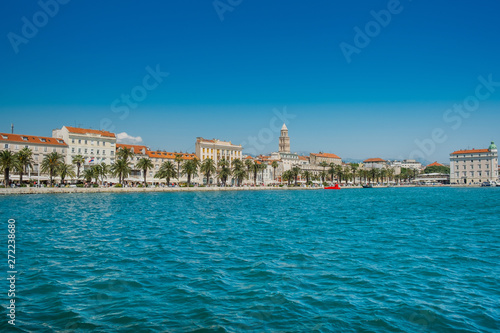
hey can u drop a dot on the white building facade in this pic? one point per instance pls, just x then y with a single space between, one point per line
474 166
94 146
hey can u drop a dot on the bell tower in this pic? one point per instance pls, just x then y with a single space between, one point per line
284 140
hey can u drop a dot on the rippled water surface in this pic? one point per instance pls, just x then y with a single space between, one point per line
368 260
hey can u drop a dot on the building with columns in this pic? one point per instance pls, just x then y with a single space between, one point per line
217 150
474 166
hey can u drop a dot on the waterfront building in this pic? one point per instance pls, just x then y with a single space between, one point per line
325 157
39 145
217 150
139 152
474 165
95 146
374 163
432 178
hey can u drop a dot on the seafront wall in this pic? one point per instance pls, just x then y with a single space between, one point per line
52 190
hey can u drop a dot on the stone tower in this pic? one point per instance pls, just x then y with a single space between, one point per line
284 140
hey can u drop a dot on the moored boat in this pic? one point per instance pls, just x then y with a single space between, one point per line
368 186
336 187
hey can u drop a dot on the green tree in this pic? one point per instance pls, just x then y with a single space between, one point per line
324 173
307 175
274 165
51 164
167 170
437 169
249 163
295 172
224 171
125 153
88 174
207 168
239 171
254 168
287 176
78 160
25 162
178 160
145 164
121 169
66 170
190 168
8 161
103 171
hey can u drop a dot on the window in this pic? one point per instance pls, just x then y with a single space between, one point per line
6 146
92 151
17 147
104 143
92 142
472 173
103 152
54 150
36 148
62 150
72 140
45 149
4 137
79 141
86 142
112 153
72 150
79 150
97 143
25 138
98 152
85 150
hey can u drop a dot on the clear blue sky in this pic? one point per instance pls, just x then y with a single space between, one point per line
226 76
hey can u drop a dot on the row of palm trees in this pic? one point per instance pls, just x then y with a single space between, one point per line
351 172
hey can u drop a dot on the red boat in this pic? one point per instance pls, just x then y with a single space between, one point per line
336 187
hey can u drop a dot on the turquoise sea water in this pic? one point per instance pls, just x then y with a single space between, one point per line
368 260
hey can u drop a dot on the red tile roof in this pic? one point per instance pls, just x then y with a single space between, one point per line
43 140
135 148
473 151
326 155
89 131
374 160
168 155
434 164
304 158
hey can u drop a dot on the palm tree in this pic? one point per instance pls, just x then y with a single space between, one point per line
324 165
87 174
25 159
207 168
354 168
103 171
307 175
262 167
295 174
224 171
125 153
239 171
190 168
339 172
145 164
8 161
178 160
78 160
274 165
249 163
255 167
121 169
287 176
51 164
331 171
66 170
167 170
